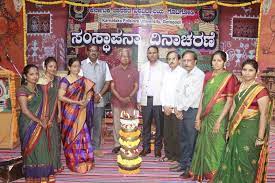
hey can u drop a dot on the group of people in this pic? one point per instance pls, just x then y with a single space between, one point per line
214 127
211 126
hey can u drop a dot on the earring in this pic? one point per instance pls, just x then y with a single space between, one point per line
224 65
43 65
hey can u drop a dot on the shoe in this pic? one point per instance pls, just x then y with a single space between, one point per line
158 153
175 165
177 169
144 152
164 159
116 150
98 153
185 175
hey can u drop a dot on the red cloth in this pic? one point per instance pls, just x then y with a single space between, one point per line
230 88
254 104
124 81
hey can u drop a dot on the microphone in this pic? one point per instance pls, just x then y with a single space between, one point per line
10 60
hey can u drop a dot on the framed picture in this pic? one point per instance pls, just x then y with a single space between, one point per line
5 101
244 27
207 14
39 23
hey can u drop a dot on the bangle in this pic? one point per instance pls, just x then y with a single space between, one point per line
100 95
259 139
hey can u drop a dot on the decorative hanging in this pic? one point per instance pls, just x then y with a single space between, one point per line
17 5
160 3
9 26
5 13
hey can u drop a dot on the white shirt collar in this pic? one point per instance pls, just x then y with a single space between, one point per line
89 61
176 69
193 70
156 63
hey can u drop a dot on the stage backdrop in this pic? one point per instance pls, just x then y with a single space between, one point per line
236 41
137 28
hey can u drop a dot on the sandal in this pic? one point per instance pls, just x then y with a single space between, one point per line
163 159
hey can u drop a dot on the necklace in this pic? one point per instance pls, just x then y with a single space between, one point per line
50 80
212 80
245 89
34 91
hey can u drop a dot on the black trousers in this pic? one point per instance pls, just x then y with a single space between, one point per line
149 113
171 137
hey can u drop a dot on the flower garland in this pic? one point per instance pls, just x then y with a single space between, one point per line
138 5
13 85
129 172
11 29
69 3
190 5
163 2
129 143
24 32
259 32
238 5
127 162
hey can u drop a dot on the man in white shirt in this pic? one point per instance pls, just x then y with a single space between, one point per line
97 71
148 98
168 97
188 99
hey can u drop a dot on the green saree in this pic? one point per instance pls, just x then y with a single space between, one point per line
210 146
243 161
50 111
34 140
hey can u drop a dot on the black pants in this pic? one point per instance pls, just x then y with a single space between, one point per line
148 113
171 137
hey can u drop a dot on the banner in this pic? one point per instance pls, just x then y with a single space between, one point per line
138 28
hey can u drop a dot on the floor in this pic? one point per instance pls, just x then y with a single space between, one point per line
106 169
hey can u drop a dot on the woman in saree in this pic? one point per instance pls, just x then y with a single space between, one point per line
33 129
49 83
245 155
76 96
211 119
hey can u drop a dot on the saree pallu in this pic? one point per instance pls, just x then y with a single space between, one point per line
210 146
243 161
35 145
76 138
50 111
